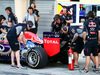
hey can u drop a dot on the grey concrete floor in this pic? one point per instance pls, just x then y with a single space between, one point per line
50 69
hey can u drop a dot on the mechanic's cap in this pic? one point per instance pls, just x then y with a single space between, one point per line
30 23
57 16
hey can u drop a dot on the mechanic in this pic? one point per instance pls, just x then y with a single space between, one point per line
97 19
76 36
12 19
13 34
91 41
56 26
30 16
2 19
36 12
66 18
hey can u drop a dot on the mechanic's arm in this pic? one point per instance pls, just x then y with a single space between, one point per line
84 32
84 37
38 19
75 37
21 37
3 31
38 16
69 21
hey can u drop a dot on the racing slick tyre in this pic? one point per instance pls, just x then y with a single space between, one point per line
37 57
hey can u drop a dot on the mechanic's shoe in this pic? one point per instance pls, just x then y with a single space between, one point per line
99 66
94 67
13 66
96 70
76 67
83 70
21 67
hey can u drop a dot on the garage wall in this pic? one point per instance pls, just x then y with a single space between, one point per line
21 9
46 9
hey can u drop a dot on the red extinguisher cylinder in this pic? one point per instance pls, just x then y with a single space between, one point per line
70 58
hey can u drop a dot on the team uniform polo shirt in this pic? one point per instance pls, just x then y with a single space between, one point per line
32 18
12 18
36 12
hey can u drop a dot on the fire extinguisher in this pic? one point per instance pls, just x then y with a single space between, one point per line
71 61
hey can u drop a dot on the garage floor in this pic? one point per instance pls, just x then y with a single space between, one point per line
50 69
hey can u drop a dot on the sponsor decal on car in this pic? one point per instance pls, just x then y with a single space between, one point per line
51 41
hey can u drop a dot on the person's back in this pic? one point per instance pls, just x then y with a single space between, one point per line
91 28
16 30
91 41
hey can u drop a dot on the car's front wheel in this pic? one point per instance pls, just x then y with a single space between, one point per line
37 57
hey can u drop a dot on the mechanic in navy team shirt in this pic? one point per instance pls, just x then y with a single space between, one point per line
76 36
2 19
36 12
56 26
66 18
12 19
12 37
91 41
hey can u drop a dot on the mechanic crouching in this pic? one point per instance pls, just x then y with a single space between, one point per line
76 35
56 26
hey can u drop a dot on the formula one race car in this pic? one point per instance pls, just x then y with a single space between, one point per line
39 51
